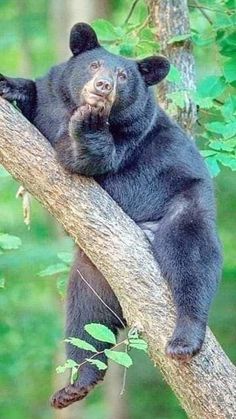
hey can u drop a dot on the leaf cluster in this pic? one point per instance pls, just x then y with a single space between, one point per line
102 333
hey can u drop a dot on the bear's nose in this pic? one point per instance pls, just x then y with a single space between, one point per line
103 86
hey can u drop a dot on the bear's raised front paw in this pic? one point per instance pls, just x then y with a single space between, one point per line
183 349
89 119
68 395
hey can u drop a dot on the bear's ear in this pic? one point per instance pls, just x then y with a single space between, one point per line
82 38
154 69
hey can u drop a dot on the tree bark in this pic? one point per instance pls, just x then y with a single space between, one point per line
170 18
206 386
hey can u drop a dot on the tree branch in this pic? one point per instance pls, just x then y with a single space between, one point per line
197 5
134 4
206 386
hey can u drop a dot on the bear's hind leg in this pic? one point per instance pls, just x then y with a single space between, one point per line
84 307
187 249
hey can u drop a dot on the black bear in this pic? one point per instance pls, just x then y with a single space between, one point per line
100 114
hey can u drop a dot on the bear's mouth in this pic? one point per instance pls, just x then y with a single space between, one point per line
93 98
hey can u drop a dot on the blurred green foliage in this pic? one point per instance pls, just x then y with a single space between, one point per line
31 304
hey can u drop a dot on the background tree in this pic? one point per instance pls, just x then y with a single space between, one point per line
65 13
171 20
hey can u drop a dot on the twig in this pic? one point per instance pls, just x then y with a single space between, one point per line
22 193
101 352
140 28
123 381
218 101
103 302
210 8
199 6
134 4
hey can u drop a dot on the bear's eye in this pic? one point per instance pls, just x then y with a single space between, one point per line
95 65
122 76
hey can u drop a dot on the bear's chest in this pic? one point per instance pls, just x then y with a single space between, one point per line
138 192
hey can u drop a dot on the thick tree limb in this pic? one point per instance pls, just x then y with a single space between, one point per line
206 386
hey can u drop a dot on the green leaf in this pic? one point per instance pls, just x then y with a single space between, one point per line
99 364
213 165
219 145
82 344
74 374
70 363
211 86
121 358
174 74
207 153
54 269
147 34
231 142
222 20
178 98
230 70
62 285
145 48
66 257
138 344
105 30
60 369
127 49
228 130
179 38
113 48
228 110
227 160
150 45
8 242
231 36
133 333
100 332
230 4
202 102
2 282
228 45
216 126
202 42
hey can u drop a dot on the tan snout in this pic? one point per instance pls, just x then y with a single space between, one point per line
100 90
103 85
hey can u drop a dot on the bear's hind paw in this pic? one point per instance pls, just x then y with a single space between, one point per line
69 395
182 349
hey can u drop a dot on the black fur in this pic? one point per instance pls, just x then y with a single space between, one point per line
149 166
82 38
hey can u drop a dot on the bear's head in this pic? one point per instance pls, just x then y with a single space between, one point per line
100 78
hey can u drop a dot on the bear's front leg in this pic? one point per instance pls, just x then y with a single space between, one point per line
21 91
89 122
90 149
